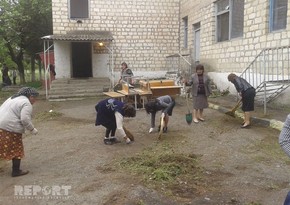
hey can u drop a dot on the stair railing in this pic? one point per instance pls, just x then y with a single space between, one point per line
271 65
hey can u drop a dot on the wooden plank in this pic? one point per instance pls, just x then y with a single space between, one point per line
143 92
166 90
165 87
154 83
114 94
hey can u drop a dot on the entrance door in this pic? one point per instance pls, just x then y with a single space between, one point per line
81 59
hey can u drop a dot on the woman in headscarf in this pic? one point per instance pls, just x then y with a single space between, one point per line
15 118
110 114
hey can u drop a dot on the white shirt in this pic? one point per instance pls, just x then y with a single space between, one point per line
119 122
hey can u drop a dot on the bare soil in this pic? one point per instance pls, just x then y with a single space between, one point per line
233 165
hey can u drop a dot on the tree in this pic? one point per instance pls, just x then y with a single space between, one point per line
22 24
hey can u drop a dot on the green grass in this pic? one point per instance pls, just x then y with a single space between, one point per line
36 84
162 168
4 94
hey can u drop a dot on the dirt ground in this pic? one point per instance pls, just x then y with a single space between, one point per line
239 166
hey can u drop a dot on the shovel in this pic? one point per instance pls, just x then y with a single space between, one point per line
188 116
232 112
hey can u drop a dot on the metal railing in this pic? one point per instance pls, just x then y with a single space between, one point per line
178 67
269 73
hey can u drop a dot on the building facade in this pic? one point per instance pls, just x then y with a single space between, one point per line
227 35
91 38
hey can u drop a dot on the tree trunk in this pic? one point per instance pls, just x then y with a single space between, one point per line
39 68
21 72
32 61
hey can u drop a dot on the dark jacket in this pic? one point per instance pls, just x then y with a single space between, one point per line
241 85
194 83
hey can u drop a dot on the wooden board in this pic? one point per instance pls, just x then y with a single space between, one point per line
155 83
166 90
114 94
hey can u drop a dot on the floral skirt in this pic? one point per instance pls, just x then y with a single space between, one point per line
11 145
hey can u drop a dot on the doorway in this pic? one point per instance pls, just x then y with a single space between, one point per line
81 59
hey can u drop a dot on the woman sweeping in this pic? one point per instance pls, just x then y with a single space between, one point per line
15 118
248 93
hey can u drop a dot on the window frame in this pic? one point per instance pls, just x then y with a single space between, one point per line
74 16
272 16
185 31
228 10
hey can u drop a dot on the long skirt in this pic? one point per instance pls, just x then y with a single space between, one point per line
11 145
200 102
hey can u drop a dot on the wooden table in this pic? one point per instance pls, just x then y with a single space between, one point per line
131 92
113 94
165 90
143 94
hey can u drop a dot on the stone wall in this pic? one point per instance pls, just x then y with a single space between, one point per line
236 54
144 32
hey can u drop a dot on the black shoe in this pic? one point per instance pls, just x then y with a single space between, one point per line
159 127
108 141
164 129
19 173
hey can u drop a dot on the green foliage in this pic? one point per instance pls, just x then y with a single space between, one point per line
22 24
35 84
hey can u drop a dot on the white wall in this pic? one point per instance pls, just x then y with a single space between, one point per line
100 65
62 59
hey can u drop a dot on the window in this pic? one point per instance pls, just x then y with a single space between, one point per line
229 19
278 14
185 37
79 9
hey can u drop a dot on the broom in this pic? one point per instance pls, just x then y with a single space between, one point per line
232 112
128 134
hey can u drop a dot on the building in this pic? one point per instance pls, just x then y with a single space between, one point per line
92 37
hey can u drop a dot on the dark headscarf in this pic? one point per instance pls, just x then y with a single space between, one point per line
27 92
129 110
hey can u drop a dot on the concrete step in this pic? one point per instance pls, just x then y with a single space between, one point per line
74 89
